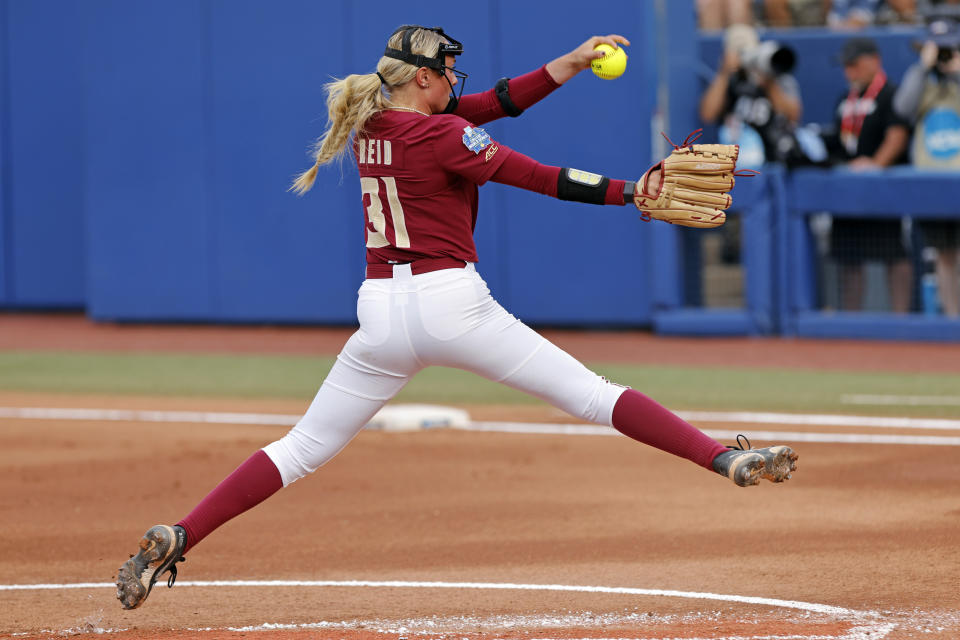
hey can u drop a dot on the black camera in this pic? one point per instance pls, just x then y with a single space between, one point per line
770 58
946 54
944 32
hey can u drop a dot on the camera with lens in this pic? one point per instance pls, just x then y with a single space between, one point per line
946 54
944 32
769 58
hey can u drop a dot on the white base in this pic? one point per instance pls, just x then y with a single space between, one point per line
412 417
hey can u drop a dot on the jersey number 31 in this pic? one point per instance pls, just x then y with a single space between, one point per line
377 237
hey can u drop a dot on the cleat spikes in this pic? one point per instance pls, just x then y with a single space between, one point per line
161 547
746 466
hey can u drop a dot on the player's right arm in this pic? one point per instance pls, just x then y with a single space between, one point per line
511 97
570 64
508 98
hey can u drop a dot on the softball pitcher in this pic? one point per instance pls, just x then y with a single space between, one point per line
421 152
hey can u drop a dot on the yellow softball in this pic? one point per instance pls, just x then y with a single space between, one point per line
612 64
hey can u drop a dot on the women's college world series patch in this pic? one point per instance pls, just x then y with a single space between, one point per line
475 139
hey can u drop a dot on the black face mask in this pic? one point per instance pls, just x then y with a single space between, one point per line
450 48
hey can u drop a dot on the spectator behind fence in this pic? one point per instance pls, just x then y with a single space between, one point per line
754 97
868 135
929 97
795 13
857 14
945 8
714 15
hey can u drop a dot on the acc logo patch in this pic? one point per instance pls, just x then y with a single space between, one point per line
490 151
475 139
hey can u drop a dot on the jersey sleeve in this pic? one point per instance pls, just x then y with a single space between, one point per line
523 171
464 149
525 91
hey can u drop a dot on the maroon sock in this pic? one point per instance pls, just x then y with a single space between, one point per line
250 484
643 419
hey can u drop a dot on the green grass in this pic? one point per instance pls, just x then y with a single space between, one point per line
299 377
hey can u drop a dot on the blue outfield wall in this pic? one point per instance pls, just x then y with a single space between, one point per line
893 193
197 137
146 148
6 246
41 153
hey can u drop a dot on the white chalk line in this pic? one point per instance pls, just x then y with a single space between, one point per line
854 634
752 417
781 436
402 584
495 623
867 632
819 420
132 415
866 623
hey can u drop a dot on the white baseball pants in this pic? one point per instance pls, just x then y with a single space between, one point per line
446 318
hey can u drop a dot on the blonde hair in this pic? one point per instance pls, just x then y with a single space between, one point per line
353 100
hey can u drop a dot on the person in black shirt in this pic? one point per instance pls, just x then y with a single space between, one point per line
868 135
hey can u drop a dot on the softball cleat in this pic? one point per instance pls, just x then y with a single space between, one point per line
161 548
746 466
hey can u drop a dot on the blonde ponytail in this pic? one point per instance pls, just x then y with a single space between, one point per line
350 103
304 182
353 100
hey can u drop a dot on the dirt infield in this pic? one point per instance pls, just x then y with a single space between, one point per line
459 534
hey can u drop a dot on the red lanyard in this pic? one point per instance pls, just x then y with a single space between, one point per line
853 114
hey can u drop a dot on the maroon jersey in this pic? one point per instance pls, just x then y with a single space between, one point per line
419 176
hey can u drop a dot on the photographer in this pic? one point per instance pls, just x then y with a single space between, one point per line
753 88
857 14
929 97
930 88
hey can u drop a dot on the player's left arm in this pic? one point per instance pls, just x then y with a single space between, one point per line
518 170
470 152
511 96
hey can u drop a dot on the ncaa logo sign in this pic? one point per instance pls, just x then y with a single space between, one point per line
941 136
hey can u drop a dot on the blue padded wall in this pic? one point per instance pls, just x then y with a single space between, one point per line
148 171
199 135
146 148
274 255
41 144
6 244
571 263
